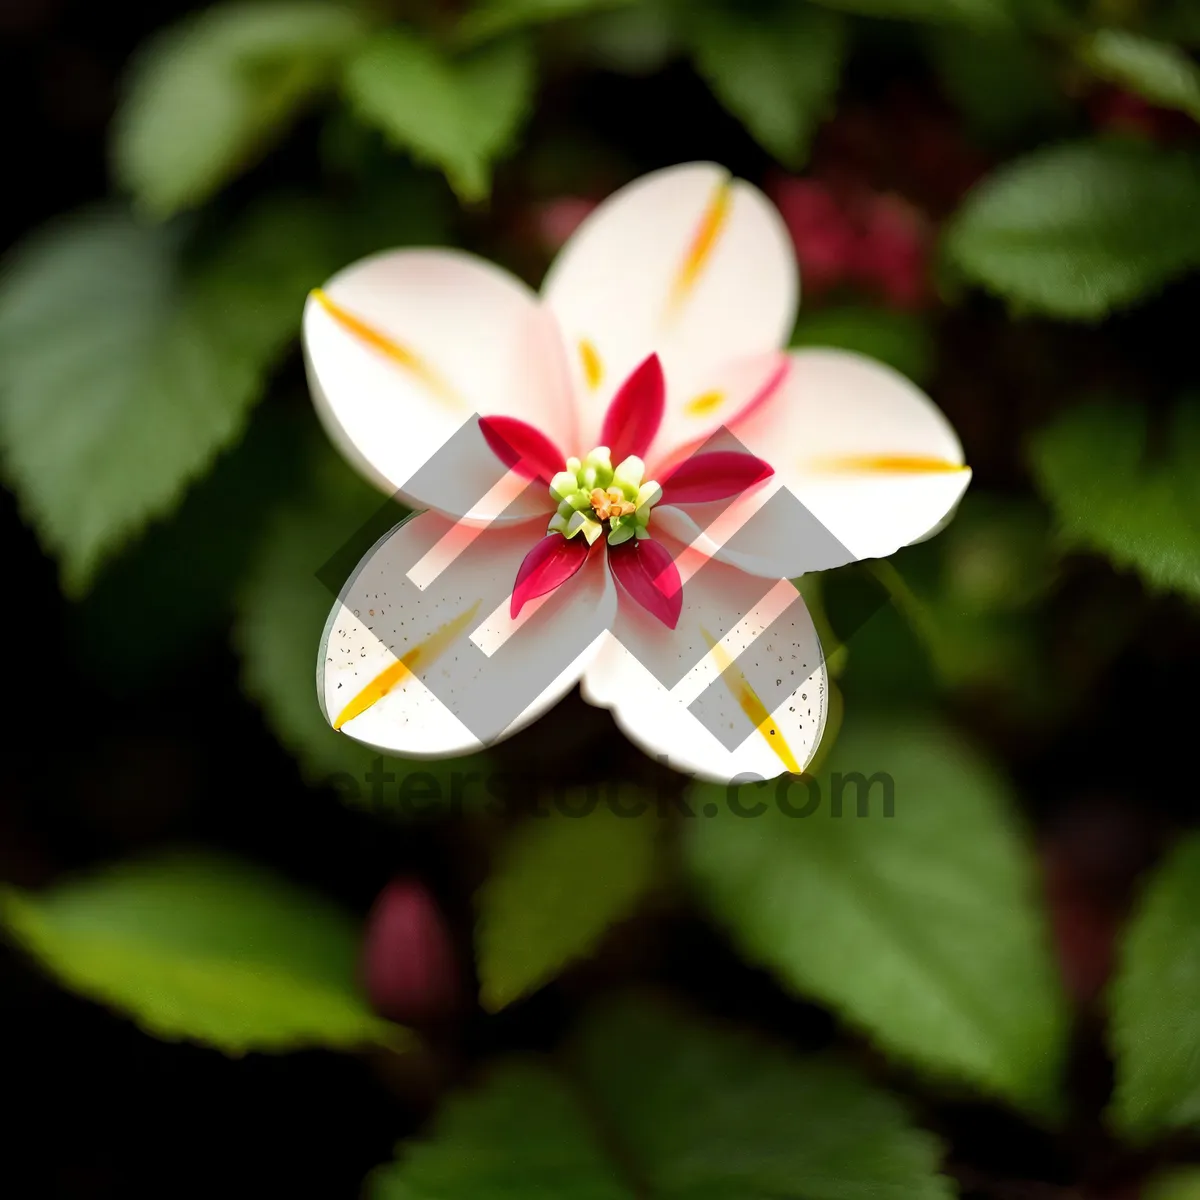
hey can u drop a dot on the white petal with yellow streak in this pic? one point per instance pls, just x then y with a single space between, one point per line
862 448
685 262
781 736
383 623
404 347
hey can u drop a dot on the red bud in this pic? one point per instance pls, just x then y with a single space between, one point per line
408 962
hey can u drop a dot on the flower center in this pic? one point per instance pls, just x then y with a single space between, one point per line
591 492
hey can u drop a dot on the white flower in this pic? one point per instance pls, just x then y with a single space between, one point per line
660 324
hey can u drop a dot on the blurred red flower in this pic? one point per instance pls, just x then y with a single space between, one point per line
852 237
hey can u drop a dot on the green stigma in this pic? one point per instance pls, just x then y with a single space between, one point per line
592 492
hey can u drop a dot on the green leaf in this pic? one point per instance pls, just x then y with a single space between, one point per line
634 39
205 949
207 98
460 114
1154 999
1112 494
778 75
920 929
1183 1183
197 558
1003 85
900 339
660 1106
559 884
491 18
1163 74
710 1112
125 369
1065 231
979 14
522 1133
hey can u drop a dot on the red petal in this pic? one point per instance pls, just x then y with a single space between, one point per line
548 565
636 412
518 444
647 572
713 476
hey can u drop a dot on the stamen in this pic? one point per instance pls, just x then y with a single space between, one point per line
591 491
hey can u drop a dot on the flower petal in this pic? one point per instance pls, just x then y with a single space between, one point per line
420 656
648 575
519 445
738 687
551 562
684 262
405 347
715 403
713 475
636 412
864 464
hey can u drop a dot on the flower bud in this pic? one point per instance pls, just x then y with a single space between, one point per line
409 966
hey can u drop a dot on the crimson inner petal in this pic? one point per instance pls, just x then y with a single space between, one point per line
551 562
520 445
648 574
636 412
715 475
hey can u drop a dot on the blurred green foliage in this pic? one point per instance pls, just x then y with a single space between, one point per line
1154 1000
779 76
918 925
559 882
128 368
212 93
649 1102
1065 232
1113 492
1182 1184
207 949
459 113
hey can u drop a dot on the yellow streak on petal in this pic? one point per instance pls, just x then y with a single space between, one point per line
703 242
416 659
751 705
390 348
593 368
705 403
889 464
